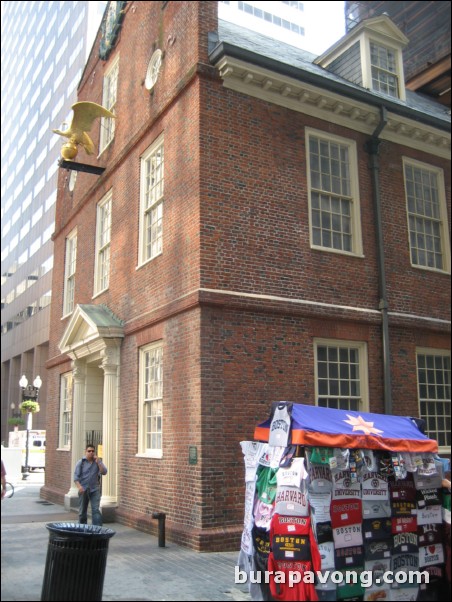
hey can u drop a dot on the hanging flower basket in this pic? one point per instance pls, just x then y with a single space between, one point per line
14 421
28 406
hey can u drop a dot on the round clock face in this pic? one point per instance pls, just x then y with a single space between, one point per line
110 27
153 70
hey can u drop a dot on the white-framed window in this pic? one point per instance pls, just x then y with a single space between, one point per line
384 71
69 273
151 401
433 377
109 97
151 202
427 216
341 379
335 222
103 240
66 390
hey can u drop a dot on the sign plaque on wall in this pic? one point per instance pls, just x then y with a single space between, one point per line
192 454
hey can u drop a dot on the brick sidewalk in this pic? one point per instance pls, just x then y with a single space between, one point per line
137 569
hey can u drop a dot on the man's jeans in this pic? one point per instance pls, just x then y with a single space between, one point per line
83 500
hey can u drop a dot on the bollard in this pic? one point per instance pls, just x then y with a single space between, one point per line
160 516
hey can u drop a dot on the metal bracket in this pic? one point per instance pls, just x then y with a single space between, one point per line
74 166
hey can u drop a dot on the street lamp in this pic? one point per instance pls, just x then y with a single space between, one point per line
29 393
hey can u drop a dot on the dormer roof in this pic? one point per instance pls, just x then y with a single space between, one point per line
380 26
371 55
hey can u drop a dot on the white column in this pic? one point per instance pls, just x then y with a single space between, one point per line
78 427
110 366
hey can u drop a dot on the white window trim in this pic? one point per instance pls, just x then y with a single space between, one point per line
365 42
108 198
70 240
445 242
142 451
444 449
63 386
363 366
142 260
104 144
357 243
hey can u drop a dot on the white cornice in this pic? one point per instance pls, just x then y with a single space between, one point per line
319 102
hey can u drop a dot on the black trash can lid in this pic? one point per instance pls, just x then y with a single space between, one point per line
80 530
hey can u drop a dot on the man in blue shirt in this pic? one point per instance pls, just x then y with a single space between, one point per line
86 478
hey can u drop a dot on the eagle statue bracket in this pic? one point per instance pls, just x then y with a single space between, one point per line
85 113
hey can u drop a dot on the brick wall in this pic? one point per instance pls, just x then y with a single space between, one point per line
237 296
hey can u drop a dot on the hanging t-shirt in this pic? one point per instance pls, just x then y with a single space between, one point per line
292 489
402 490
430 534
294 475
249 504
319 455
428 497
291 537
320 479
326 551
252 450
348 558
291 501
378 550
345 512
246 541
376 509
320 506
266 484
323 531
430 514
284 589
344 486
280 425
374 486
263 514
246 563
405 542
432 554
378 567
377 529
377 592
404 562
403 508
405 594
404 524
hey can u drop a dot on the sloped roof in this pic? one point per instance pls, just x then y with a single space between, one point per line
247 45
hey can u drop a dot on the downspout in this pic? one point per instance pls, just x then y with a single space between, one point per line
372 147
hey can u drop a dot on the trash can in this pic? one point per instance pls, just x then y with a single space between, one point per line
76 562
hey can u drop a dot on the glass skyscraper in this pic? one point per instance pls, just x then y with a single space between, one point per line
44 48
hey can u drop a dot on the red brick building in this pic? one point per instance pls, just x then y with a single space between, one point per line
259 233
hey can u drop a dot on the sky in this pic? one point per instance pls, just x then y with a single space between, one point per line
323 22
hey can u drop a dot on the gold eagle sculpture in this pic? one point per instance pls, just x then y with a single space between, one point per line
85 113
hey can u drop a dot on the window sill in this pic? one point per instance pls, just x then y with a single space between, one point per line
144 263
157 455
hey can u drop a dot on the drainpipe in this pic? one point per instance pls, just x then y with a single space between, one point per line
372 147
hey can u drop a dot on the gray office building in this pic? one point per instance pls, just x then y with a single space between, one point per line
44 47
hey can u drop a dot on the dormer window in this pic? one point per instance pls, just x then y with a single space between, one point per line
370 55
383 65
